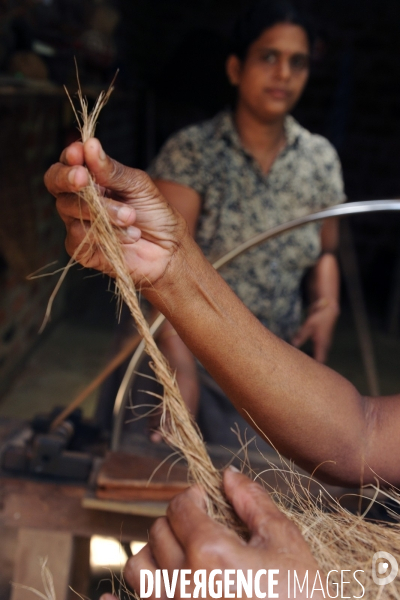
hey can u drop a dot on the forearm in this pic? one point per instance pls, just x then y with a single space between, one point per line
325 280
323 310
309 412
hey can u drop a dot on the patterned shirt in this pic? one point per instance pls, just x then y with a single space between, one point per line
239 201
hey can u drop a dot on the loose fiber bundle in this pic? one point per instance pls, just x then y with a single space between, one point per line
339 539
181 432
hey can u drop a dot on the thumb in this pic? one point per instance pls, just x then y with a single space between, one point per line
253 505
106 171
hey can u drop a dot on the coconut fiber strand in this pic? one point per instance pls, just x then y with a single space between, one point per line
181 432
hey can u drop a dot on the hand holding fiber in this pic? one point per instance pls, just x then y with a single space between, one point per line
94 240
148 228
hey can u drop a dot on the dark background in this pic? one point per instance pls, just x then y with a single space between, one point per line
176 50
171 55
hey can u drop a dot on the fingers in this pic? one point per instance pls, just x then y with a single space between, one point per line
185 511
191 525
142 560
78 238
70 207
70 174
80 244
106 171
60 179
73 155
255 508
164 546
162 552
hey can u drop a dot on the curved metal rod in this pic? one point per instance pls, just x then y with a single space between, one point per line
340 210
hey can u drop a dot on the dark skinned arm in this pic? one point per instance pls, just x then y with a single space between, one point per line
311 414
324 288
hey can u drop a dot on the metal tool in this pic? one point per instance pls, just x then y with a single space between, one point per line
38 451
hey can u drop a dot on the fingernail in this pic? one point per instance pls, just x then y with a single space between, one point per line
124 214
71 176
102 154
133 233
233 469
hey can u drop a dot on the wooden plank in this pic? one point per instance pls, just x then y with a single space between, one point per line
60 550
125 477
120 469
147 508
58 507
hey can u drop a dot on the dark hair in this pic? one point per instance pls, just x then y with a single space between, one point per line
262 15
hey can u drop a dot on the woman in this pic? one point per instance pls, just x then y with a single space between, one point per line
244 172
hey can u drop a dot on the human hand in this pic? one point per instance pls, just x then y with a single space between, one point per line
188 539
149 229
319 327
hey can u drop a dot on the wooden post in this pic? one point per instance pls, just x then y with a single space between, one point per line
67 559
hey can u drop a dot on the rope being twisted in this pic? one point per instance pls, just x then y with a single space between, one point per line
177 425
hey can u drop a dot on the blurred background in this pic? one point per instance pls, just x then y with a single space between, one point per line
170 55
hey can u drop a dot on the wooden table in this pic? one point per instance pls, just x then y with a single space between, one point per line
57 520
53 523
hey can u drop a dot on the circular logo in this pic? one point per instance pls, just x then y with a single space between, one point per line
384 568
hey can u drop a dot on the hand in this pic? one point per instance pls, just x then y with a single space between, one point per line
319 327
188 539
150 230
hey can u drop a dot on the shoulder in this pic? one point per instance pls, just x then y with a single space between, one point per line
316 147
194 136
324 152
187 156
318 163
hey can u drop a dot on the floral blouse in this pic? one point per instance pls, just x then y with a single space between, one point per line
239 201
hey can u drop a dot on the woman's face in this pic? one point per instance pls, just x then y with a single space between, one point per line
272 77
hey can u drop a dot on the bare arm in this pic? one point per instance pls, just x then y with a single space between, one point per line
326 280
309 412
312 414
324 296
